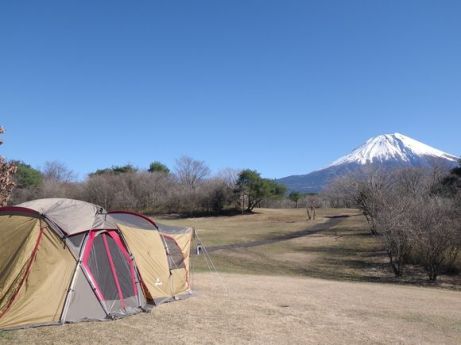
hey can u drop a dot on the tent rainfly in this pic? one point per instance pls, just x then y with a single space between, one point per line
65 260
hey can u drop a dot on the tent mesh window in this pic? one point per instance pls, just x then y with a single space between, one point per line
133 221
100 262
123 269
100 268
77 240
174 254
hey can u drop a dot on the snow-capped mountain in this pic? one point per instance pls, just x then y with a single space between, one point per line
395 147
387 151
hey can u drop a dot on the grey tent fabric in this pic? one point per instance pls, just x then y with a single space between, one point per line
169 229
74 243
72 216
174 254
84 304
132 220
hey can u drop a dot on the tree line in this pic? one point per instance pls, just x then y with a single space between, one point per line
189 188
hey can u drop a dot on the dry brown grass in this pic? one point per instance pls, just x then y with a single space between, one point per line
343 252
276 310
249 227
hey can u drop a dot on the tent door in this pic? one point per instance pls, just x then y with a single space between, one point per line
111 271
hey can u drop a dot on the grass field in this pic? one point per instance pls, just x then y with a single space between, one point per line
269 291
345 251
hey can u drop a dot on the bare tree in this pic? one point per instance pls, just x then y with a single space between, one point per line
312 202
392 221
190 171
229 176
57 171
100 189
154 191
436 231
342 191
55 189
370 195
7 171
364 192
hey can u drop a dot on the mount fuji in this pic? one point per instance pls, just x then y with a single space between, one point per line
385 152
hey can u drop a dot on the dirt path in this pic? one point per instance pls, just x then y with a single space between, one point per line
301 233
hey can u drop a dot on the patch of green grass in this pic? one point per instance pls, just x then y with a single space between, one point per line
5 335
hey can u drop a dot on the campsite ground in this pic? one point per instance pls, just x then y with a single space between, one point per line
270 291
259 309
337 245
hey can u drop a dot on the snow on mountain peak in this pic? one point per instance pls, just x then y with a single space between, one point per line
392 147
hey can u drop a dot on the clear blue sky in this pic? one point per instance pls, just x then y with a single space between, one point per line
284 87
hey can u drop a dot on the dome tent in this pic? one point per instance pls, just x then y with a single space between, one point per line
65 260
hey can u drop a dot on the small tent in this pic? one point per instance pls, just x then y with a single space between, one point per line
65 260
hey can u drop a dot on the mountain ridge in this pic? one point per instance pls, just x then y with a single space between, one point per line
385 151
